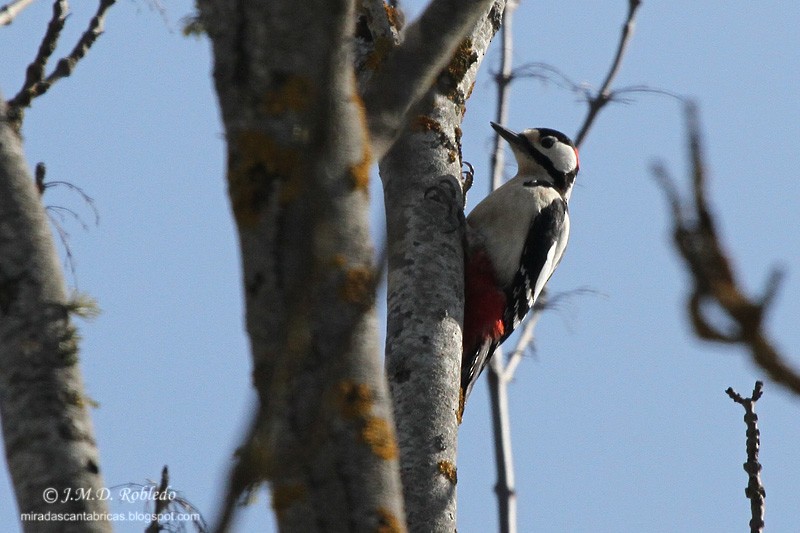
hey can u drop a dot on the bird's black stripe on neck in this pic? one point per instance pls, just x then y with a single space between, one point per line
559 178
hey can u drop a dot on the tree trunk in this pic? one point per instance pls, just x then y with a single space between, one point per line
298 177
48 435
425 221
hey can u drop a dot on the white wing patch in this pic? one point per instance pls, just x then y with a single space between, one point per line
554 256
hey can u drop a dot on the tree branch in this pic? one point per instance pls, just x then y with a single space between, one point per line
498 377
604 95
47 431
755 489
36 84
298 181
698 243
408 72
501 371
162 501
10 11
424 214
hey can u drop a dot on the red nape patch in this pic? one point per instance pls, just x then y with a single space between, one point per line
484 303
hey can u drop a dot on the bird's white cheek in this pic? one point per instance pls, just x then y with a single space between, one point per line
565 159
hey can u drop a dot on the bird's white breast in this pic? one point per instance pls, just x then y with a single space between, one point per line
500 224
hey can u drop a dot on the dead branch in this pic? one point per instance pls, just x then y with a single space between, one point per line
755 489
36 83
604 95
714 282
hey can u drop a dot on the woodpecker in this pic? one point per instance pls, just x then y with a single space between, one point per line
515 240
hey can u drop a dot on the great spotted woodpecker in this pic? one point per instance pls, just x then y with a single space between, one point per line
515 239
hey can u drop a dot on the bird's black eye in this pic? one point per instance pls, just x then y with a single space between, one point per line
547 142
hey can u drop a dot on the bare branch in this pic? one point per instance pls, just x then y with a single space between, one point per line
603 96
36 84
755 489
161 501
714 282
408 72
35 72
377 32
505 487
498 375
502 372
39 351
85 197
503 80
58 214
526 337
10 11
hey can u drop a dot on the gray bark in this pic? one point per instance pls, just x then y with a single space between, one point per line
47 431
298 175
406 75
424 210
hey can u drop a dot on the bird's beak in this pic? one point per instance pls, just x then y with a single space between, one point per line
512 137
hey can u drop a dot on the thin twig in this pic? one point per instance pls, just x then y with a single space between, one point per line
58 214
603 96
161 501
698 243
500 371
755 489
526 337
36 83
10 11
498 380
505 487
503 80
85 197
67 64
35 72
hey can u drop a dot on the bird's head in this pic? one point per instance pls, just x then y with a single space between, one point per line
545 154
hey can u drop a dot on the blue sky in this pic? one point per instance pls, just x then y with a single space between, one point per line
620 422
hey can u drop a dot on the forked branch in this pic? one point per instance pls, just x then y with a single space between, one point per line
713 279
755 489
501 370
36 81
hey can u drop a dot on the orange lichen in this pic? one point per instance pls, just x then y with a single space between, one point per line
354 399
358 285
383 46
463 59
423 123
448 470
378 434
284 496
293 93
256 161
359 173
388 522
394 16
461 401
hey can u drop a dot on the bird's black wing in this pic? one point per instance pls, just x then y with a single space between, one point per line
540 257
